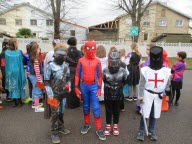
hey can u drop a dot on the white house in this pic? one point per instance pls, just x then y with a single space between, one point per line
73 30
25 15
40 22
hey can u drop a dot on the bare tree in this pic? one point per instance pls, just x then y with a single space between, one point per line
136 9
61 8
56 7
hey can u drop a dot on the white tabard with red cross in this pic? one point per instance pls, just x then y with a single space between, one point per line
156 81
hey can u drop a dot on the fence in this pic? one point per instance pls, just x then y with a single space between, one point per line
171 48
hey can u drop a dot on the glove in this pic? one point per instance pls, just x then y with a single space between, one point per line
67 88
99 93
78 93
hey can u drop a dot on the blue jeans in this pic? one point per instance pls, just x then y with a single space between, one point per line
36 92
152 121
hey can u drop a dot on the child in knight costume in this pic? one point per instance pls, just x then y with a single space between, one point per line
155 79
114 78
57 71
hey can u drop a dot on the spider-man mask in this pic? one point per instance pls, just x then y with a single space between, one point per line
90 49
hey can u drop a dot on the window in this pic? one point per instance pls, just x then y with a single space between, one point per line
146 23
163 12
145 36
18 22
33 22
72 33
146 12
162 22
17 13
49 22
179 23
2 21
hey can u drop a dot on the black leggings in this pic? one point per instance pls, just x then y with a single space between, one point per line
112 109
178 93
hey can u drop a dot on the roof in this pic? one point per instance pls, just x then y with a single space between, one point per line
168 7
117 19
73 24
26 4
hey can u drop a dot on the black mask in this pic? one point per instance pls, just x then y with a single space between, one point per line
156 58
114 62
60 55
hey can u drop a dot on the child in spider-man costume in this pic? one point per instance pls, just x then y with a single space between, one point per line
88 81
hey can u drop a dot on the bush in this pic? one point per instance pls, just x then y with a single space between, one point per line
24 33
44 38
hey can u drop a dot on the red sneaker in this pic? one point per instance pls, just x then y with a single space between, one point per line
115 129
107 129
1 107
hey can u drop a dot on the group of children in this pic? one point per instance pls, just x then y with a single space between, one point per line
154 80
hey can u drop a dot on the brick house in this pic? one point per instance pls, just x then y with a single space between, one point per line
158 19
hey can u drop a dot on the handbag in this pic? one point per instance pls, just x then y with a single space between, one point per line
40 85
53 102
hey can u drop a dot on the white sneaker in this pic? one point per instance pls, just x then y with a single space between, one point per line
40 105
1 102
39 109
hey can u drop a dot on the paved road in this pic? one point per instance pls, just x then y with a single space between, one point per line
24 126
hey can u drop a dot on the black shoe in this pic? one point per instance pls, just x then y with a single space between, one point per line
64 131
141 135
85 128
134 98
176 104
55 139
101 135
152 136
15 103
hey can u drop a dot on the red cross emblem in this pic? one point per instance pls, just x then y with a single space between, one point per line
155 80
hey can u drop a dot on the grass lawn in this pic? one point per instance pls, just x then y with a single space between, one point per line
173 60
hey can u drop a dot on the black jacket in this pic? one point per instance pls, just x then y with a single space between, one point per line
73 55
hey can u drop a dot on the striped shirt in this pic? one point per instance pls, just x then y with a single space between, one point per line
37 70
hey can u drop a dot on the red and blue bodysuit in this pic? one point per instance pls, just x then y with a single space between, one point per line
88 81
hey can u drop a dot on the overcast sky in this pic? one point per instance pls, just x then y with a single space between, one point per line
97 11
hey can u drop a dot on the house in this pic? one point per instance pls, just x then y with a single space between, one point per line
104 31
40 22
25 15
69 29
158 19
